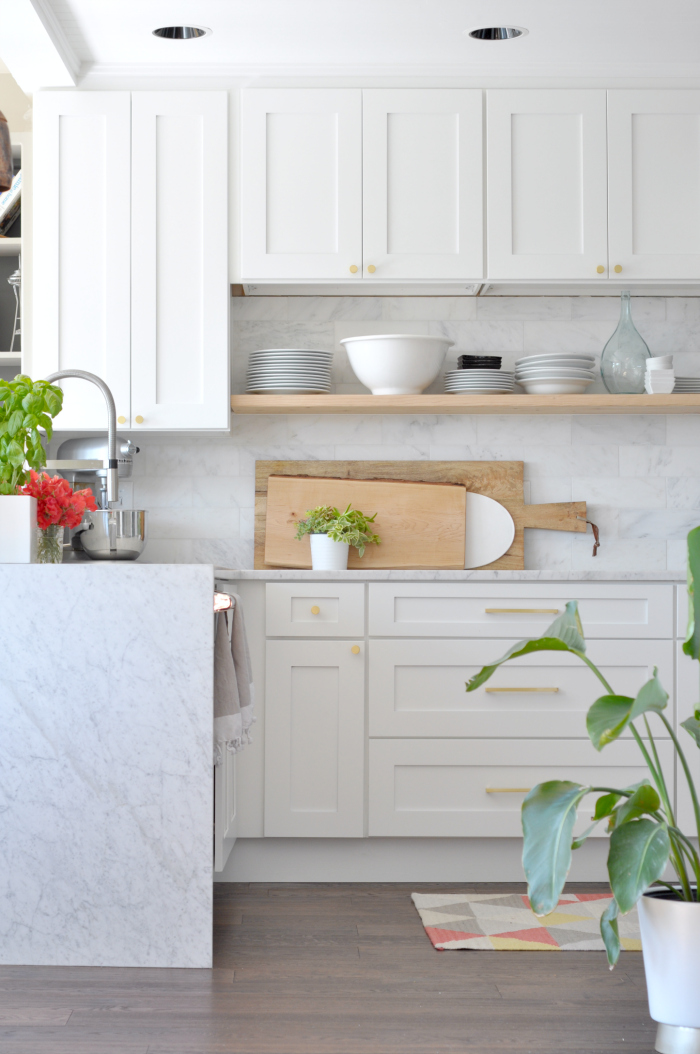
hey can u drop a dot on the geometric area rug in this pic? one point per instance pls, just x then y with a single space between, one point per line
505 922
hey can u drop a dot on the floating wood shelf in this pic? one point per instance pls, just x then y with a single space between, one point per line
466 404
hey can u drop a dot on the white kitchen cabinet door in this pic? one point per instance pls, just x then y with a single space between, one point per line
82 181
301 184
422 184
225 810
314 739
654 183
546 184
179 261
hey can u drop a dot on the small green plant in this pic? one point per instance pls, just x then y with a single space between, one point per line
25 407
351 526
644 834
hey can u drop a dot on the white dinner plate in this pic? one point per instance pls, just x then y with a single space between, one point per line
546 360
282 390
554 387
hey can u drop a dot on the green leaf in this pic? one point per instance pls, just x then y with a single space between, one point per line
548 816
54 402
605 805
644 800
581 838
33 403
638 854
523 647
692 726
691 646
610 933
567 627
15 422
610 715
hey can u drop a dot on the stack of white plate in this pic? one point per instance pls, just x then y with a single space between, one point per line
481 382
687 384
289 371
556 374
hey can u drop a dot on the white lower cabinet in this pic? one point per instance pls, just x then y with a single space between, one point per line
688 673
475 788
314 739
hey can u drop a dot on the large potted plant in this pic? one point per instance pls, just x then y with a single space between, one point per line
331 533
644 835
25 407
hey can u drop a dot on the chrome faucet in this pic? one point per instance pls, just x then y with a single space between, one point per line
112 465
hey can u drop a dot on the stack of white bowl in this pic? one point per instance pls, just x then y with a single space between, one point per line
687 385
480 382
289 371
659 378
555 374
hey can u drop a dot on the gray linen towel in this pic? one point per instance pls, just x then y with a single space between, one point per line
234 699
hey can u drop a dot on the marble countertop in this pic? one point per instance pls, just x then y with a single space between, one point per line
286 575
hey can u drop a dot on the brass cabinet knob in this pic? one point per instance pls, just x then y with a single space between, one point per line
600 269
353 269
138 419
315 609
371 268
355 649
122 420
617 268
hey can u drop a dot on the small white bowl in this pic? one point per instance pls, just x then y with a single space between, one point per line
396 363
554 387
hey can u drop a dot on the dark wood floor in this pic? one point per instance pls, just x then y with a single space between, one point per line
332 969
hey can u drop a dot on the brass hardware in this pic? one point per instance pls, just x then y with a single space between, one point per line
520 611
508 790
617 268
353 269
315 609
122 420
355 649
522 689
371 268
600 269
139 419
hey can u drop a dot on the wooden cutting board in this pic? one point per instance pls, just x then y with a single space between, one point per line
501 480
421 525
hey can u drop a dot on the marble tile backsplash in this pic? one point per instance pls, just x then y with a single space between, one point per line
639 475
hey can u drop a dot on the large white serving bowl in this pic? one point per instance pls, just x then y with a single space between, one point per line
396 363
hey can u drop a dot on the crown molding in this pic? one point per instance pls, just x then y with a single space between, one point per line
58 38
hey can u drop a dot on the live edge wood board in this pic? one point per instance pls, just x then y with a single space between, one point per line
501 480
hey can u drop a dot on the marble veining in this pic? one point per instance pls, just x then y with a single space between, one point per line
105 765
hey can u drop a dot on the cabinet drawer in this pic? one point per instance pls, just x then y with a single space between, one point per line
417 687
315 609
517 610
459 788
681 611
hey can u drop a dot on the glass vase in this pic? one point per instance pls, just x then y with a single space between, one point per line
624 359
49 544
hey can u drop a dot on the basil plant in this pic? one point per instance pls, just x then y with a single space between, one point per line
25 407
644 835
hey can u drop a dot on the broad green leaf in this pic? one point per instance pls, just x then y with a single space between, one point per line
46 423
644 800
54 402
692 726
638 855
523 647
15 454
15 422
567 627
610 933
605 805
548 816
581 838
33 403
691 646
610 715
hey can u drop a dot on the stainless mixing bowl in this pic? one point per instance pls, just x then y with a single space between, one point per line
112 534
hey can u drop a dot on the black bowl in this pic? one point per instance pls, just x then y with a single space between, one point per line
479 362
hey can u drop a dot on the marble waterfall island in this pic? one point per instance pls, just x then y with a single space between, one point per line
106 765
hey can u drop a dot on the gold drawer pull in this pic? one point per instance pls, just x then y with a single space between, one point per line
355 649
508 790
315 609
521 611
522 689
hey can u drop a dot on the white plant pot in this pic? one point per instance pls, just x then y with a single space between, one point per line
327 555
17 529
670 931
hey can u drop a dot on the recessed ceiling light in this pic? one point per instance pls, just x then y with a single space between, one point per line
181 32
497 33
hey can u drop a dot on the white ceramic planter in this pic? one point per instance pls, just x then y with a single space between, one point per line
327 555
670 931
17 529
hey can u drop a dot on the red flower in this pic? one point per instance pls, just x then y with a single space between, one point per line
57 502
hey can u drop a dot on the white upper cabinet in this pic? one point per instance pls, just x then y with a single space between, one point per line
301 184
654 183
82 189
546 184
422 184
179 270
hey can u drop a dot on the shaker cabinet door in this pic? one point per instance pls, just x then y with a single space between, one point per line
82 180
654 183
179 265
314 739
546 184
422 184
301 184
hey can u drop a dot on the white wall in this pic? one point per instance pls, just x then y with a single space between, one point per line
639 475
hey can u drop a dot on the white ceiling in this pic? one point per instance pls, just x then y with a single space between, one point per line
610 38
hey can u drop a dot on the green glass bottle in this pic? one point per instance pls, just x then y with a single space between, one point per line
624 359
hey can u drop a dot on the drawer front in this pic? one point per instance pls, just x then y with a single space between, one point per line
457 788
681 611
315 609
417 687
516 610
